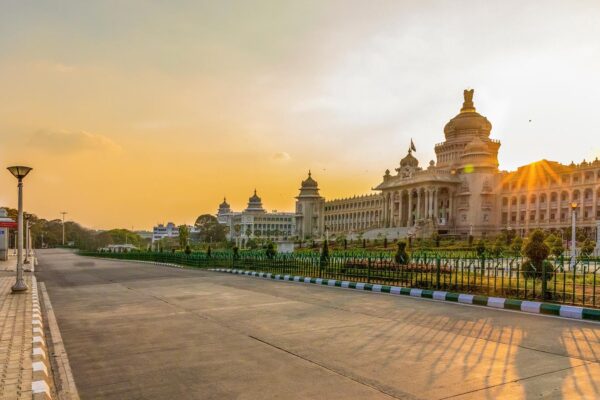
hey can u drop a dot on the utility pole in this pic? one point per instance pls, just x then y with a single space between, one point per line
63 226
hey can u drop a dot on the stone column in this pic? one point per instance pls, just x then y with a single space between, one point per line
595 204
410 213
450 207
399 209
518 222
418 213
436 201
548 207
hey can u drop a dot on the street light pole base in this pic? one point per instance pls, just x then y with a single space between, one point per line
19 287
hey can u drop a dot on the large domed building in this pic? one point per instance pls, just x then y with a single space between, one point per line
461 192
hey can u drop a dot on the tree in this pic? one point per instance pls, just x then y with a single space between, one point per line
498 247
436 239
555 245
184 235
401 256
209 229
270 252
536 265
325 254
517 245
587 248
480 248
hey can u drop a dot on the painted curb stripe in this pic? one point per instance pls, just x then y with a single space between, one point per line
533 307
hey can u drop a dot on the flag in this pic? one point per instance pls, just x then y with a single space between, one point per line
412 145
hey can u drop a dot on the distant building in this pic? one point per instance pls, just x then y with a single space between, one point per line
164 231
256 222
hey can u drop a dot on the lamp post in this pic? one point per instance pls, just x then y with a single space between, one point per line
27 238
20 172
573 233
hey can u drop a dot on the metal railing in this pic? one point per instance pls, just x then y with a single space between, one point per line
559 280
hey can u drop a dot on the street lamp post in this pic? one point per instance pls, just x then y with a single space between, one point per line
20 172
573 233
27 239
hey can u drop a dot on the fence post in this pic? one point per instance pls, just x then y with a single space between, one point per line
437 272
369 269
544 282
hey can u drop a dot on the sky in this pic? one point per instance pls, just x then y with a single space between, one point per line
134 113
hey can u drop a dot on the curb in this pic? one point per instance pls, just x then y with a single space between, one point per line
531 307
40 384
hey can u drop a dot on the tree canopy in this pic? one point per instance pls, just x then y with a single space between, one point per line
209 229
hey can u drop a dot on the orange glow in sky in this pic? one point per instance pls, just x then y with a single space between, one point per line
133 113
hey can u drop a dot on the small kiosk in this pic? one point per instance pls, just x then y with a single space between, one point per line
5 225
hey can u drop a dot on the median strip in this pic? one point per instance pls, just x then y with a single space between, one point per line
535 307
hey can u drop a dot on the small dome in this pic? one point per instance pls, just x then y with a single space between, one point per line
409 160
254 198
309 182
224 204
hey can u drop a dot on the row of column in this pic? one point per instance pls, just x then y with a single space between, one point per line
427 207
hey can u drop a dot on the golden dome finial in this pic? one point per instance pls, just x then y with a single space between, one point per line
468 105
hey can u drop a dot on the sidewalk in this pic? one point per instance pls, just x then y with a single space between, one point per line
24 372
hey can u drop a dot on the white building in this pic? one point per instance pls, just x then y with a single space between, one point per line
256 222
170 230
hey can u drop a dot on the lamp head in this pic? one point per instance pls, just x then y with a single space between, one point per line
19 171
574 205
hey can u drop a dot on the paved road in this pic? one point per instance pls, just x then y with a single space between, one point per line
136 331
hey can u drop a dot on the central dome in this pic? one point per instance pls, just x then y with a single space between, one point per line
468 122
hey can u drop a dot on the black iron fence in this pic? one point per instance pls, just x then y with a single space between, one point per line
561 280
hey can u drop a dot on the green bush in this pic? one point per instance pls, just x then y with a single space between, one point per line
401 256
517 245
480 248
325 254
529 271
270 252
536 252
188 249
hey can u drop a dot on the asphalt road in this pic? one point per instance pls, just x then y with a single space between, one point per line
136 331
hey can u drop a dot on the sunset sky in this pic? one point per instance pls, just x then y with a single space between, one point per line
138 112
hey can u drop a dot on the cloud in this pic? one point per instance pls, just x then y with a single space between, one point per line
71 142
281 156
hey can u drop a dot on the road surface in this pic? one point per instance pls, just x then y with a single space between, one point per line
134 330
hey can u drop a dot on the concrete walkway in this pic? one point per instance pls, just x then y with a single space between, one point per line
16 369
140 331
24 364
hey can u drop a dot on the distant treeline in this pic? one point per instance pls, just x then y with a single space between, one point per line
48 233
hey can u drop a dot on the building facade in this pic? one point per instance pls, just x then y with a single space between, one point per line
255 222
160 231
462 192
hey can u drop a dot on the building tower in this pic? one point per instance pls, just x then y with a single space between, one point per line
310 207
224 212
255 204
472 156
